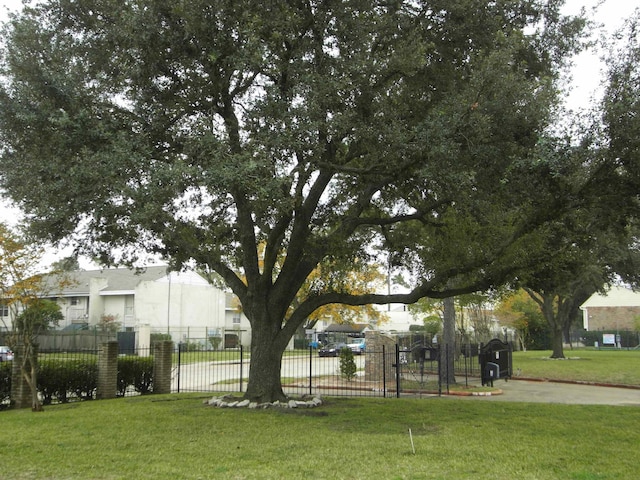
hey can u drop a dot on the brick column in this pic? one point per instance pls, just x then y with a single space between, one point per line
377 369
162 355
107 371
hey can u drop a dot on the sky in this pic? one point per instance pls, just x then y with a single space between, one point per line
587 72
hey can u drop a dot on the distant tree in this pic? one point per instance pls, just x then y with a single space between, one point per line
67 264
519 311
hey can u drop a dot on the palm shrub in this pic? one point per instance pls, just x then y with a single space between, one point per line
347 364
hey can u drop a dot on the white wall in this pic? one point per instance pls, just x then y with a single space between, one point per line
186 301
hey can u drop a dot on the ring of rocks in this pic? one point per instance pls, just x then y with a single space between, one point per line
229 401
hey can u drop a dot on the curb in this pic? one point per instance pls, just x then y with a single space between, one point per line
577 382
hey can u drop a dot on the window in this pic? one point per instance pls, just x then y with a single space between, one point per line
4 310
74 301
236 319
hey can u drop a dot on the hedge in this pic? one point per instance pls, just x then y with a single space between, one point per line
5 383
65 379
136 372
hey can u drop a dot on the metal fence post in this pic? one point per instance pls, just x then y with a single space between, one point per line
310 368
397 371
384 372
179 366
241 365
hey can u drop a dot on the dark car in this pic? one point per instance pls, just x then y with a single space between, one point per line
331 350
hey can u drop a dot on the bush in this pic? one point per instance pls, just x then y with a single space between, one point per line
347 364
159 337
5 382
136 372
65 379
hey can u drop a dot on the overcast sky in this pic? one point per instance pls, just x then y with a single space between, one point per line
587 73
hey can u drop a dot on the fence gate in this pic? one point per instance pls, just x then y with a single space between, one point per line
127 343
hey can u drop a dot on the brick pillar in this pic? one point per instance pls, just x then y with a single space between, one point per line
107 371
377 369
20 391
162 356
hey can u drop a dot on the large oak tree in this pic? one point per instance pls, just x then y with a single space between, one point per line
325 130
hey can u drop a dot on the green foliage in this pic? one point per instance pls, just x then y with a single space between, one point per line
519 311
38 316
159 337
5 382
65 379
136 372
347 364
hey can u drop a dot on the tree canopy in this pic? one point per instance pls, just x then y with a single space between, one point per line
324 130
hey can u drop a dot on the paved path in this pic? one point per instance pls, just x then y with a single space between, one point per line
554 392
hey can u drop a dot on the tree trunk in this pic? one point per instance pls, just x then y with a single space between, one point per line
447 349
267 348
557 343
28 370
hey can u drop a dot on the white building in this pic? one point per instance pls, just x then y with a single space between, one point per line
182 304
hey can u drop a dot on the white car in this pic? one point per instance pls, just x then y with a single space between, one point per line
6 355
357 348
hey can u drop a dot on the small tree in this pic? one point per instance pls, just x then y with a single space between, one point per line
21 290
37 317
109 323
347 364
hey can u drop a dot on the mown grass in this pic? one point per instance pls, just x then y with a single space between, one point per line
586 365
176 436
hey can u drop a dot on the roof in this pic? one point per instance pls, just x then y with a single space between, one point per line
615 297
116 279
347 327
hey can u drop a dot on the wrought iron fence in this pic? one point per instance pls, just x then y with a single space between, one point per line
379 373
66 376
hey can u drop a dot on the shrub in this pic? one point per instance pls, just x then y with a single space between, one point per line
347 364
136 372
5 382
64 379
159 337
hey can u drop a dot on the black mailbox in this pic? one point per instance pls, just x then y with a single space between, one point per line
491 372
495 361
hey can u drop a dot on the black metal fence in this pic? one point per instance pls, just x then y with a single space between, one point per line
379 373
66 376
409 368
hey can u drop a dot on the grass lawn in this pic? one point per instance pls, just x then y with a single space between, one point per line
176 436
587 365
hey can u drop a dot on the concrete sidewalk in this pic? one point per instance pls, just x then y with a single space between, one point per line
516 390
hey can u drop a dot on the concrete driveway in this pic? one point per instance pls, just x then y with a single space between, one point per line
554 392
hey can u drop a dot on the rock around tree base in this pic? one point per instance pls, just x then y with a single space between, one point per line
229 401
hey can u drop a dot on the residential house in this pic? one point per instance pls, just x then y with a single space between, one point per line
150 300
618 309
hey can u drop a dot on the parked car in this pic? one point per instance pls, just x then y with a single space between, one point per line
357 348
6 355
331 350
